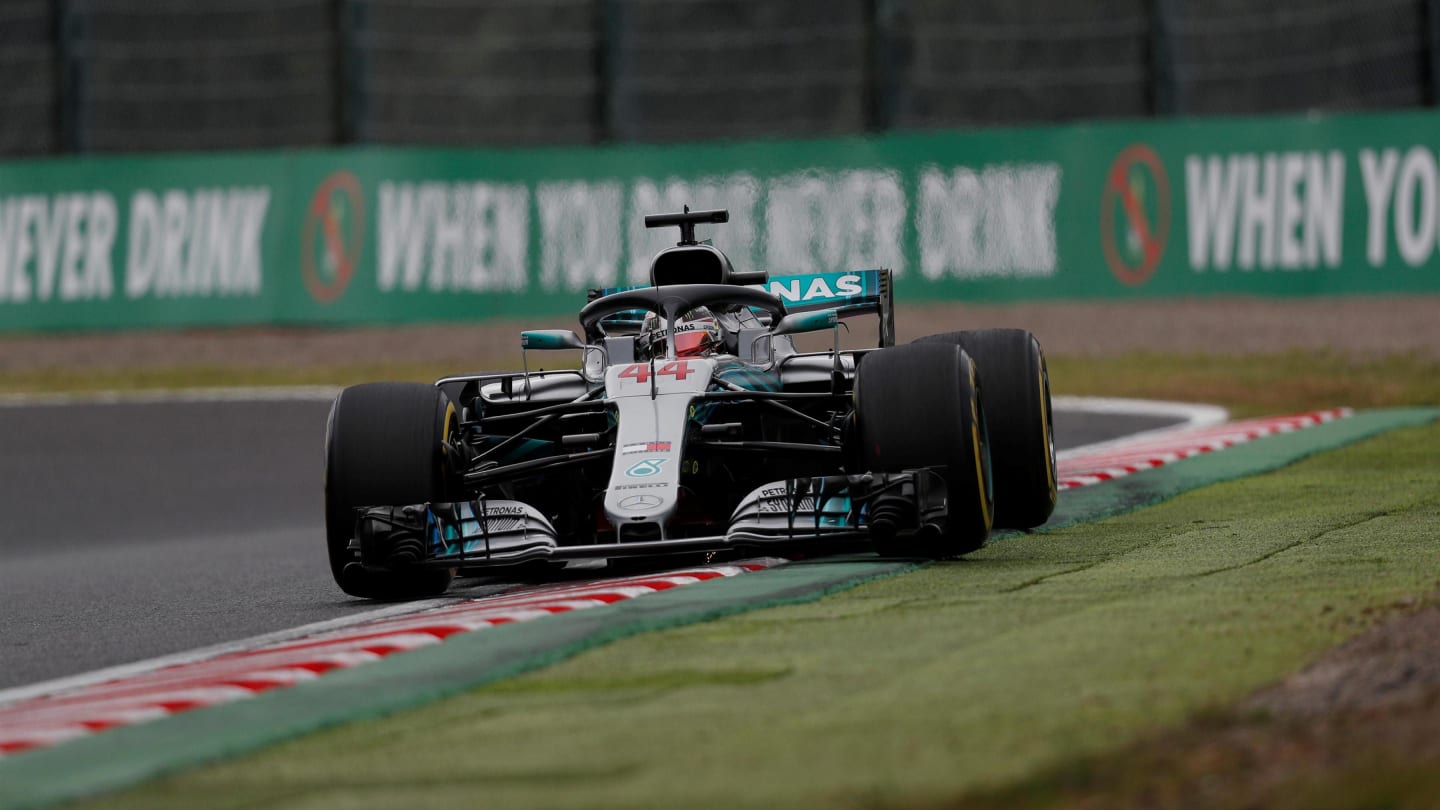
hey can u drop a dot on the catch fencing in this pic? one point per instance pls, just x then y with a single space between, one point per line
107 76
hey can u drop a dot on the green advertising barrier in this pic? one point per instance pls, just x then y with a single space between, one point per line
1273 206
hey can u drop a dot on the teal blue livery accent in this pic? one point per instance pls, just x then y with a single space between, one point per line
468 537
737 373
812 321
835 512
826 289
550 339
841 289
746 376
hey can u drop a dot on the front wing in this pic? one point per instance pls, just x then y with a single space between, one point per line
823 514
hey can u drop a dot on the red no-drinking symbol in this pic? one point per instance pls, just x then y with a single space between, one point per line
1125 185
337 216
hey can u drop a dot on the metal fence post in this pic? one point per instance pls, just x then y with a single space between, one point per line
1430 13
72 103
610 120
885 33
352 71
1164 87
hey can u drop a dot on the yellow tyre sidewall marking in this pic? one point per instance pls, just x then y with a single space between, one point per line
445 433
975 443
445 447
1045 436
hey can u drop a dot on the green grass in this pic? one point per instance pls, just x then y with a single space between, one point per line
1041 651
1255 385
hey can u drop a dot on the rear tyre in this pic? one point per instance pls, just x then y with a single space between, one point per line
385 446
1016 382
919 406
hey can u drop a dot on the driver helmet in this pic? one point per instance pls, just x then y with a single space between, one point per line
697 334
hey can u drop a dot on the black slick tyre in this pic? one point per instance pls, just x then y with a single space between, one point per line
384 446
1016 383
919 406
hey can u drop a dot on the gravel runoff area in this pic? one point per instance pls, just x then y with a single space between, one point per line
1356 728
1228 325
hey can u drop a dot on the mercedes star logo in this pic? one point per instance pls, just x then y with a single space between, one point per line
639 503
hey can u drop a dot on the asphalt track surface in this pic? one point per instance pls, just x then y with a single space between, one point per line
129 530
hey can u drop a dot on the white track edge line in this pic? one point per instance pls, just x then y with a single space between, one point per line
1192 416
72 682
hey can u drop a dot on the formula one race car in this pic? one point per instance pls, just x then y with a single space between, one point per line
694 426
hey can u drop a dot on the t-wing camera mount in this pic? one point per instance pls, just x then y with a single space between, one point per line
687 222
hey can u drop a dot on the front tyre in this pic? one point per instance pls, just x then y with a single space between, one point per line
919 406
385 445
1016 382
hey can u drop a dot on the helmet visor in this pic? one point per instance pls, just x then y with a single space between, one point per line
691 344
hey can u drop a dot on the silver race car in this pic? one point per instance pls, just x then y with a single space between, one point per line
694 426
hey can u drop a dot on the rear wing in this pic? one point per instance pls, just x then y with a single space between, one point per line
852 292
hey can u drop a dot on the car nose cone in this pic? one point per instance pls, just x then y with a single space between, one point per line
639 503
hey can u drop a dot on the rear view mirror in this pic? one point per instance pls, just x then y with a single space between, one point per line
545 339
